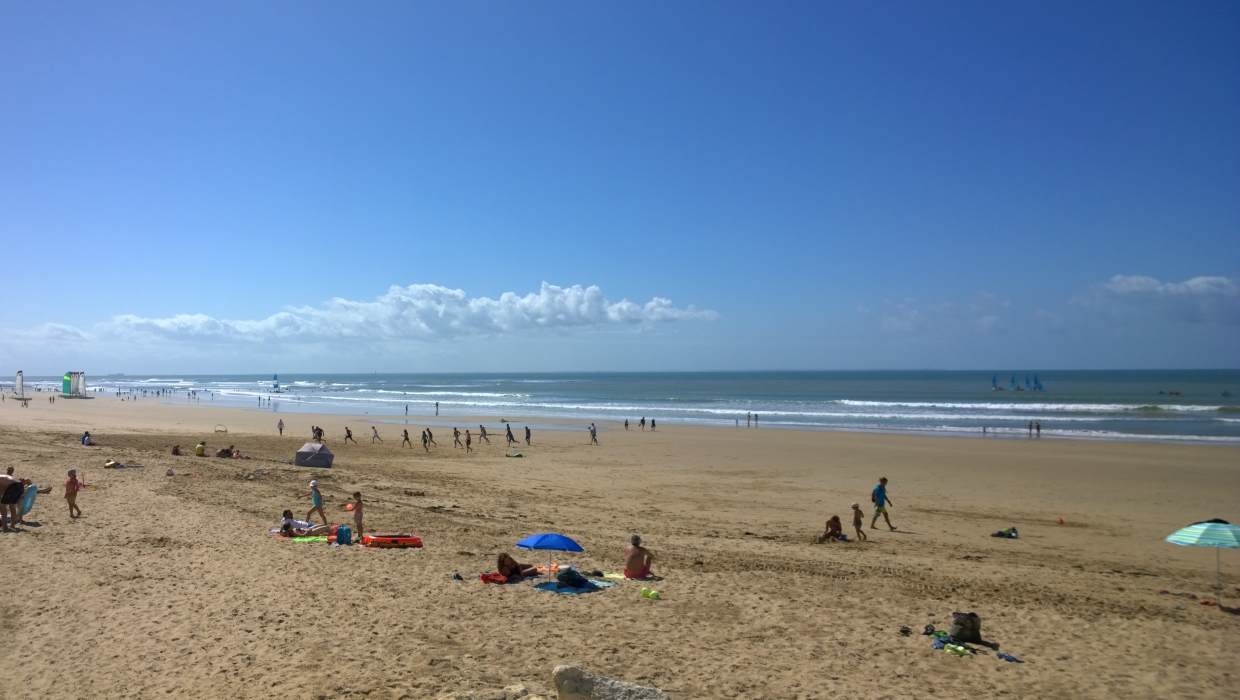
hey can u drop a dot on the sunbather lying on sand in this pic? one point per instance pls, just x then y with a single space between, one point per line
287 530
511 569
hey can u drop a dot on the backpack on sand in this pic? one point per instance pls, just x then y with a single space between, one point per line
344 535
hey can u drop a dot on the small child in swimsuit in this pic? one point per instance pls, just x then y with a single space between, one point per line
357 513
316 496
858 519
71 491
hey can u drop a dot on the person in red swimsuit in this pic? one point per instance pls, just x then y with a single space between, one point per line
637 559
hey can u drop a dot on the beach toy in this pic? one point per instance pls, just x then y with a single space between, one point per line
1061 521
654 595
391 541
348 506
645 592
28 498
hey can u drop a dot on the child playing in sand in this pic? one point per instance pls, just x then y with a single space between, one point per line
71 491
858 519
317 496
833 530
406 440
357 513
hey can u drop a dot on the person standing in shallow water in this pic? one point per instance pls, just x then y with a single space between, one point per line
1038 428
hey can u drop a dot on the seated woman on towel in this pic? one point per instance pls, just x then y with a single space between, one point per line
510 569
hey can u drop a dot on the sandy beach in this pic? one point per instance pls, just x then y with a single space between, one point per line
173 586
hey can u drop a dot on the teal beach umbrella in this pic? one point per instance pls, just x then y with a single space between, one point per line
1211 533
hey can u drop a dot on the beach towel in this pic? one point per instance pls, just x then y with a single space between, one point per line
555 587
493 577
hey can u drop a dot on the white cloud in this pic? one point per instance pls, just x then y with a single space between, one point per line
416 312
1198 300
983 313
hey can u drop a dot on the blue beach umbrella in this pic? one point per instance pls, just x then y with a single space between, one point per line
1211 533
550 541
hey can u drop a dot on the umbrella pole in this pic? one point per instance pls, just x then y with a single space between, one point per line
1218 576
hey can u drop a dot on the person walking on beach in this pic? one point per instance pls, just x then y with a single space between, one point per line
357 514
456 438
348 435
652 424
430 437
406 440
508 434
593 434
1038 427
280 427
881 501
626 423
642 423
72 486
469 441
1030 428
748 418
482 433
425 446
316 497
858 520
374 435
527 435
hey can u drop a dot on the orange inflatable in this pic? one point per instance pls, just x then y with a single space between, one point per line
391 541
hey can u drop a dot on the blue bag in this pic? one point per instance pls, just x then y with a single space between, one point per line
344 535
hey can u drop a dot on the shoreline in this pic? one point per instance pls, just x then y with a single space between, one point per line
568 424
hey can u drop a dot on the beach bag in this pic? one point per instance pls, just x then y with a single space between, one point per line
569 578
344 535
966 627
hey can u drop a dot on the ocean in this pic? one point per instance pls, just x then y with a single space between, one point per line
1172 405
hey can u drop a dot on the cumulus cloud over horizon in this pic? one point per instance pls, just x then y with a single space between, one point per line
416 312
1196 300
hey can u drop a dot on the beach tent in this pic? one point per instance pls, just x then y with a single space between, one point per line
312 454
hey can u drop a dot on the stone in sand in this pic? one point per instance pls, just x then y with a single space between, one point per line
571 683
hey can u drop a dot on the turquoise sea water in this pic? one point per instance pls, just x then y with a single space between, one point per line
1201 406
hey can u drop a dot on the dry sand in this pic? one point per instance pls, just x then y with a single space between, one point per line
173 587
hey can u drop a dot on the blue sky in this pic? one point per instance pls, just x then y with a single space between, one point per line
769 186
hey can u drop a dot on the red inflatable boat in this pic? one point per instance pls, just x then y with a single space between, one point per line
391 541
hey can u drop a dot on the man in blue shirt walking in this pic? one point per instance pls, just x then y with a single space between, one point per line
879 496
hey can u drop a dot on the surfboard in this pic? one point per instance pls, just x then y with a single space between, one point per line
28 499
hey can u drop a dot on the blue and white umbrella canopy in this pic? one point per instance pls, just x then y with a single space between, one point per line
1211 533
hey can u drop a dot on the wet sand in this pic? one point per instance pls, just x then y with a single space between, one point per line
173 587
